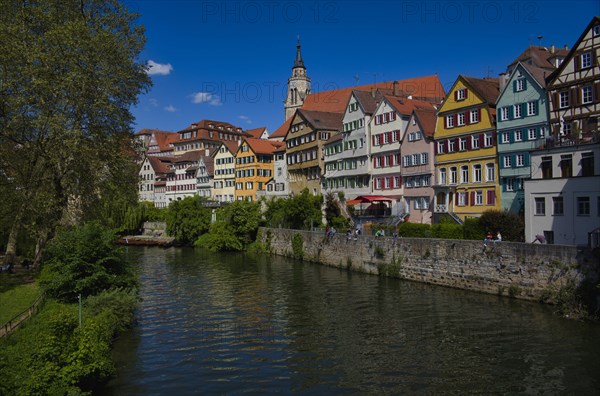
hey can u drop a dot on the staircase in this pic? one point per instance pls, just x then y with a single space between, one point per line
455 217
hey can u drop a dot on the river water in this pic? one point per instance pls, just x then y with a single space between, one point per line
238 324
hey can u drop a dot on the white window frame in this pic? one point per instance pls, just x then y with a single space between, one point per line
490 172
587 94
505 137
450 121
464 174
460 119
475 142
510 184
531 108
474 116
531 134
563 100
477 173
518 135
504 114
517 111
478 198
507 161
488 139
520 84
520 160
586 60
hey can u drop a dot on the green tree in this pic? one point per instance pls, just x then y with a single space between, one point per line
221 237
300 211
84 260
188 219
244 217
69 76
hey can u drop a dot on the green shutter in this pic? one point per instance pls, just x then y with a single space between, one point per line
511 112
514 85
524 84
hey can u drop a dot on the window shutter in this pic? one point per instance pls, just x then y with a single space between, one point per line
389 136
466 93
524 84
473 197
456 95
469 138
537 107
374 141
481 140
597 92
577 61
510 112
514 85
467 117
575 97
455 115
494 138
456 198
466 198
478 115
523 110
555 102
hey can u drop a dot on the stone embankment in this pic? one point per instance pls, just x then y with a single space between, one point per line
152 234
520 270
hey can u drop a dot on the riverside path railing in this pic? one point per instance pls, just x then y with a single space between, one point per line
18 320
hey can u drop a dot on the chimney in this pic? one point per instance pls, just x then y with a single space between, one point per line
552 49
207 152
373 92
503 80
566 47
395 88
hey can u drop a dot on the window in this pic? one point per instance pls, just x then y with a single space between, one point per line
586 60
587 164
520 85
488 139
415 159
510 184
477 173
566 165
507 161
442 180
490 172
504 114
531 108
453 175
462 201
474 116
505 137
583 206
596 30
475 142
518 135
531 134
441 147
563 99
546 167
586 94
451 147
464 174
424 158
517 111
461 94
450 121
461 119
558 207
463 144
520 160
540 206
478 197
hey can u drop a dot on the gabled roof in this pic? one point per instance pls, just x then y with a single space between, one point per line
595 20
368 100
487 88
262 146
159 164
283 129
164 140
209 164
212 125
426 118
541 57
232 146
147 131
334 138
256 132
336 100
322 120
407 106
538 74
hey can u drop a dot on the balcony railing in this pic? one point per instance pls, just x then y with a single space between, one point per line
441 208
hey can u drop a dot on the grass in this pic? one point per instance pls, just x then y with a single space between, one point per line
17 300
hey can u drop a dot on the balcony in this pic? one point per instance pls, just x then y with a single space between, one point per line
441 208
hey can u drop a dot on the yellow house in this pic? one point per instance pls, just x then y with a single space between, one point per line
253 167
466 163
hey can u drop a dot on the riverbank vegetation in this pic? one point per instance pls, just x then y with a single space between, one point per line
53 353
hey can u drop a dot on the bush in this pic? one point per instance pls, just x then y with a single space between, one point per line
510 225
298 246
84 260
299 212
414 230
447 231
472 230
188 219
220 238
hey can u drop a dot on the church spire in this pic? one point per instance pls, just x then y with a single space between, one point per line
299 62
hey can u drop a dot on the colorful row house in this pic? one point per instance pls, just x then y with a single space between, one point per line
466 163
253 167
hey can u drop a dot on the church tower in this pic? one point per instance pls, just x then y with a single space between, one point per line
298 85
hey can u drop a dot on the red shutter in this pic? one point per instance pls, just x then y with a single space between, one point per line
466 93
467 117
469 138
390 157
576 59
374 141
435 147
472 197
481 140
466 198
456 95
455 115
389 136
478 115
456 198
597 92
494 138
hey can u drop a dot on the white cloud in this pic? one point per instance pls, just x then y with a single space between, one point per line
159 69
153 102
170 109
206 97
245 118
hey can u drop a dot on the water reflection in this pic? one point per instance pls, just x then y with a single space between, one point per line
219 323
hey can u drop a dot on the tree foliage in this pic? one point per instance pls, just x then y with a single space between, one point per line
300 211
70 75
84 260
221 237
510 225
188 219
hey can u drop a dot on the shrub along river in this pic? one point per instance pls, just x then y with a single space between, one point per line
233 323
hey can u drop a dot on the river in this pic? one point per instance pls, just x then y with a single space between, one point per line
240 324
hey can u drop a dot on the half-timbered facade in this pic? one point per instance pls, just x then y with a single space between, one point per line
574 89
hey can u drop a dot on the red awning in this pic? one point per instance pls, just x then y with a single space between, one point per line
368 198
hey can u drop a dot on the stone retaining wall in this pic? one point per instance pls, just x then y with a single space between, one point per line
521 270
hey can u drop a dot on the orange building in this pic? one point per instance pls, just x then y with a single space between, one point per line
253 167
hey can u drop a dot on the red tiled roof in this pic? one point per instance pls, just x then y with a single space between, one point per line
427 119
334 138
256 132
164 140
539 57
323 120
283 129
487 88
262 146
159 164
406 106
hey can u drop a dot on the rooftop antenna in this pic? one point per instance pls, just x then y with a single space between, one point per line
489 72
540 40
356 78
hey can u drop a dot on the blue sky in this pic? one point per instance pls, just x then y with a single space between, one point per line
230 60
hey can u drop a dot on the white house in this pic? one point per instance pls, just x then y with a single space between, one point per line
562 198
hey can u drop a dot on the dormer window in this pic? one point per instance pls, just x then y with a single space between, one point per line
520 85
596 30
461 94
